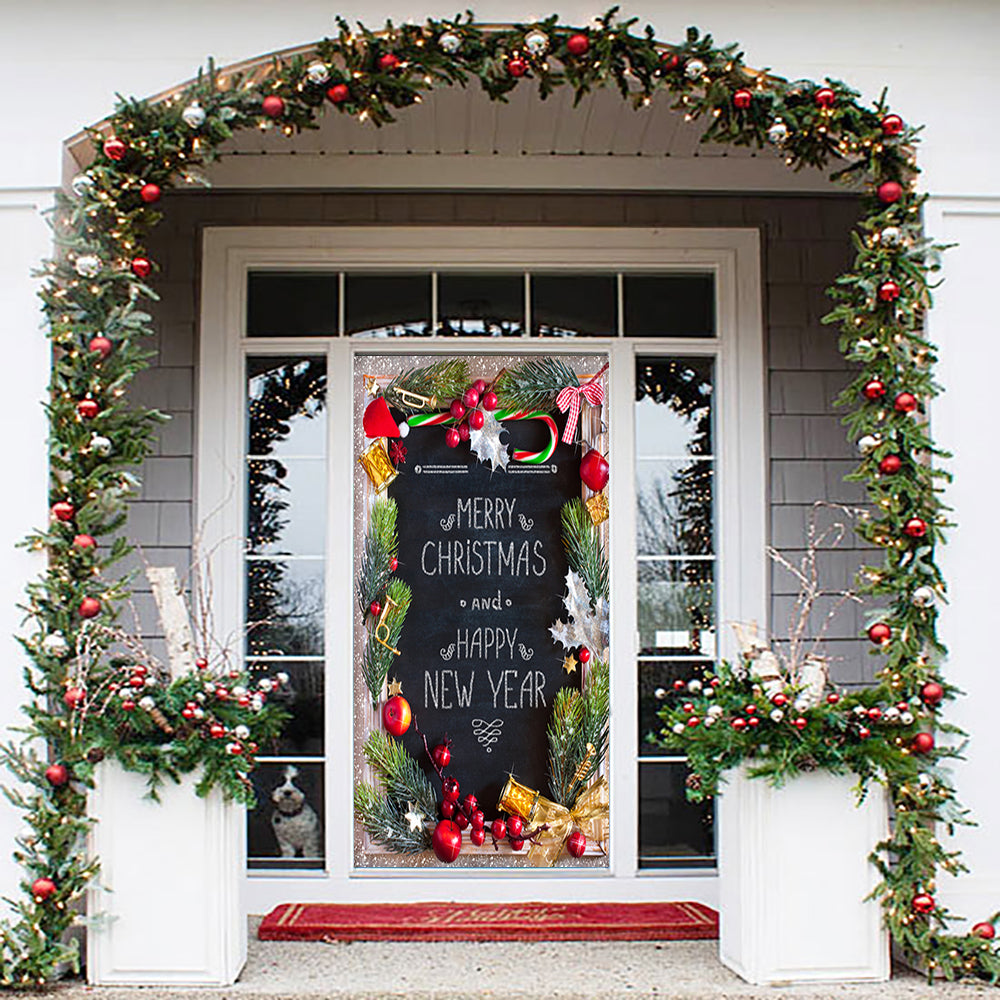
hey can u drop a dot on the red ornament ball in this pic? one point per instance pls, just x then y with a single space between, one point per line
889 192
470 397
442 755
880 633
669 61
389 61
393 564
447 841
100 345
478 819
864 732
916 527
490 401
74 697
516 843
201 663
216 731
985 931
583 655
923 903
742 99
115 149
873 389
922 743
273 106
890 465
396 715
469 803
461 820
88 408
374 609
63 510
753 722
447 809
90 607
479 385
800 723
457 409
874 713
594 470
499 829
892 125
739 724
452 438
888 291
150 193
932 693
450 790
142 267
338 93
905 402
517 66
515 826
476 420
832 698
577 45
57 775
825 97
780 700
463 431
43 888
576 843
477 835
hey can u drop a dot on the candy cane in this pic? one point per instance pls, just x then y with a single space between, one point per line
528 457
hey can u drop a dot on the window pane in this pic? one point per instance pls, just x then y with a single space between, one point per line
669 305
286 406
674 507
284 607
388 305
672 831
659 676
280 304
676 608
286 506
302 696
673 412
574 305
480 305
285 830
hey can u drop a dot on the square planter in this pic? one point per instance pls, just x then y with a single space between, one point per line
793 875
168 896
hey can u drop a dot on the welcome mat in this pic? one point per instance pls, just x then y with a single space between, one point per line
489 922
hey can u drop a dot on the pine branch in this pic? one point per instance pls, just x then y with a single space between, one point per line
400 776
566 745
535 383
386 824
378 657
441 381
584 551
381 543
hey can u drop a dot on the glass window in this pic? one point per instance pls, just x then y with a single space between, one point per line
669 305
574 305
285 830
387 305
673 833
283 304
481 305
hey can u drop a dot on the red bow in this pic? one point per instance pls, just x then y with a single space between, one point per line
569 399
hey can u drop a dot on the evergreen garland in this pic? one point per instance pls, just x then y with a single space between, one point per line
94 288
378 658
441 381
381 543
535 383
584 551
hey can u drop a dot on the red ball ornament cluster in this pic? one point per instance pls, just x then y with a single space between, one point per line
470 412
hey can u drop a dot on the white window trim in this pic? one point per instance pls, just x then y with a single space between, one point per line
742 499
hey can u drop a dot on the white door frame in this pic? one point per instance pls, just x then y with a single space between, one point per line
733 255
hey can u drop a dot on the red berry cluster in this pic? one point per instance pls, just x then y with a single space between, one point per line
469 412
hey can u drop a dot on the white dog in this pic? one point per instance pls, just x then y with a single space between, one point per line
295 823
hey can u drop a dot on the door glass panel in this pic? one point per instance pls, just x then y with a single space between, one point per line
285 830
673 833
480 305
574 305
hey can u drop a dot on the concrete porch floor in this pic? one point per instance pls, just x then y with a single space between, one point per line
664 970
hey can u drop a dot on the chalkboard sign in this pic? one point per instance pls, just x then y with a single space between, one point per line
482 551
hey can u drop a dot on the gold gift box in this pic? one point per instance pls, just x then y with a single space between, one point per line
375 461
518 799
597 508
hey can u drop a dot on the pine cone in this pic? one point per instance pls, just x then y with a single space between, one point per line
693 781
95 755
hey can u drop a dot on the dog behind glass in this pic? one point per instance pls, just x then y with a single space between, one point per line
294 821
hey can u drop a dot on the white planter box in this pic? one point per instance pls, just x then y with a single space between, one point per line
168 896
793 874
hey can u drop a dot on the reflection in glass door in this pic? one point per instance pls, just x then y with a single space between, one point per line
676 570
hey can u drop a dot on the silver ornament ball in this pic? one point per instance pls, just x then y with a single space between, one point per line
88 265
923 596
694 686
678 728
317 72
694 69
906 718
777 133
868 444
55 644
660 693
891 236
194 115
81 184
100 445
777 715
536 42
450 42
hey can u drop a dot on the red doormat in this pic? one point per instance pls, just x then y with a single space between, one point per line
489 922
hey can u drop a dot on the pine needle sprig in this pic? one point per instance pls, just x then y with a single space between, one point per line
378 658
535 383
381 543
584 551
386 824
401 777
441 381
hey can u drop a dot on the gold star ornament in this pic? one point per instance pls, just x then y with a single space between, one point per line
569 664
395 688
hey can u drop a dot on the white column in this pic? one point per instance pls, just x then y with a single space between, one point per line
964 324
25 239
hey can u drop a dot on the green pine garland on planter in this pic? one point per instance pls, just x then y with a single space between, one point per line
94 289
